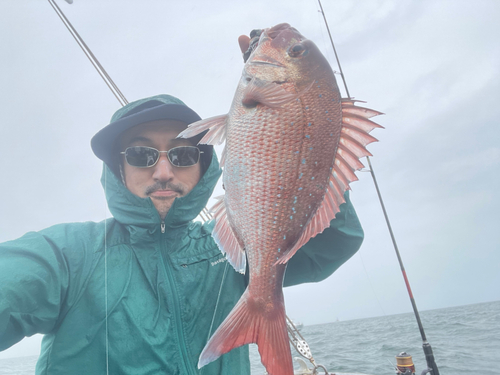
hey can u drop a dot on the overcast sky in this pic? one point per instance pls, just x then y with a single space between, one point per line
431 66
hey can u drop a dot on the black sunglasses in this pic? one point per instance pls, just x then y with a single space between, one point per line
145 157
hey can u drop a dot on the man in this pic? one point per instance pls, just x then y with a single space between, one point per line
141 293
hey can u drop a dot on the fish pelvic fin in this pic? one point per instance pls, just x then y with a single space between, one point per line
270 94
225 238
216 127
353 139
249 323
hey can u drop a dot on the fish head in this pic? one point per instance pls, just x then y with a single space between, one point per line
282 55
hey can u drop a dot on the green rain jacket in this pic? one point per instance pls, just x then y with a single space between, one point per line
162 286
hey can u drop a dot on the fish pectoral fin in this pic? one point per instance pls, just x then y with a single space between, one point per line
216 127
225 238
270 94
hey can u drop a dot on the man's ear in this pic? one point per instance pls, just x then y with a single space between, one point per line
122 175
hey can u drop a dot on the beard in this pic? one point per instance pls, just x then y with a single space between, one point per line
165 185
163 204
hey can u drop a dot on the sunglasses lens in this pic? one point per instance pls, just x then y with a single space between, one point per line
141 157
184 156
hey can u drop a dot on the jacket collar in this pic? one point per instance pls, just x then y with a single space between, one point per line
130 209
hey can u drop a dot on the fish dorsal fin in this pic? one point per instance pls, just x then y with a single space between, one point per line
348 107
353 139
216 127
226 239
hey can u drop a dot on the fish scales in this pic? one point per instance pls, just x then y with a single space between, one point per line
271 160
283 180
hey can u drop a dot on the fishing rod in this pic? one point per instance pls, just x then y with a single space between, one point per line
97 65
429 355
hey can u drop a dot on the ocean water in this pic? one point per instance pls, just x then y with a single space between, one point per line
465 340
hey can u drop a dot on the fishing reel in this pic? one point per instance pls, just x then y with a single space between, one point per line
404 364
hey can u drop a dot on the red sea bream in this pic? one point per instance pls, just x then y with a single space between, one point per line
292 146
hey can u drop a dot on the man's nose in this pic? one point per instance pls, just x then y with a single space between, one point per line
163 170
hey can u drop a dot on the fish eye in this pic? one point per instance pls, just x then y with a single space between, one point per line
297 50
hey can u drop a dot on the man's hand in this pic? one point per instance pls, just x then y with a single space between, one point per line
248 44
244 42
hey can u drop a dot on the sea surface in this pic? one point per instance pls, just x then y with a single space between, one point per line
465 340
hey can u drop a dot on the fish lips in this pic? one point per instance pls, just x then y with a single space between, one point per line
281 36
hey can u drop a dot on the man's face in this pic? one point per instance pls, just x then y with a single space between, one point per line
163 182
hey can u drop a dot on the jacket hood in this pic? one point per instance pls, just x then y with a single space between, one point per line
130 209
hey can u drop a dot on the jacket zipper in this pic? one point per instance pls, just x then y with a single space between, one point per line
176 306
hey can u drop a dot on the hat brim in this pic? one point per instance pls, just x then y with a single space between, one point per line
103 143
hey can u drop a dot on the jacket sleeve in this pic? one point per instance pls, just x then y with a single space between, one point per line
33 280
326 252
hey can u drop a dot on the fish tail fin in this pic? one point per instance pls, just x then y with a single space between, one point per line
248 324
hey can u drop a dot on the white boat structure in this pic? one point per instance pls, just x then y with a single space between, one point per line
297 325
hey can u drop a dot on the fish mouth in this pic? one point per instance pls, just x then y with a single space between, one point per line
263 62
279 36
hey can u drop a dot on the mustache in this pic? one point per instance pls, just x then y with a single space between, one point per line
164 185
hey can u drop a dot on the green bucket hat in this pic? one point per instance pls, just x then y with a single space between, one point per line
158 107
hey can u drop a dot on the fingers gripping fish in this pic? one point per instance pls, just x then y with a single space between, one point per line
292 146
